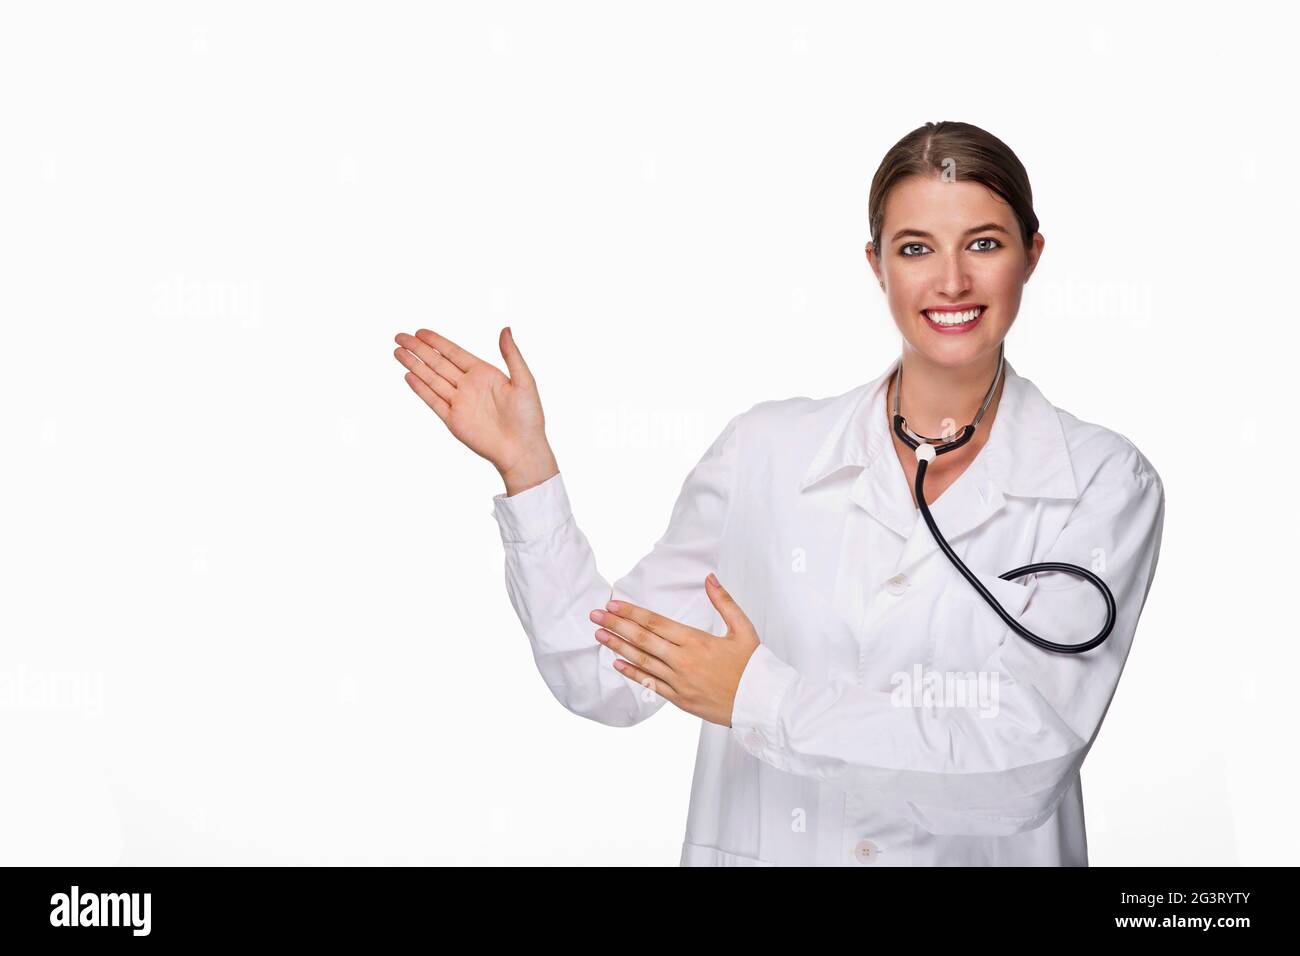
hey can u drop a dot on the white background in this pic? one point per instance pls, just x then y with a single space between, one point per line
252 594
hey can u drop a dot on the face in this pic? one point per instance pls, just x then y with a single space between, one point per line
946 246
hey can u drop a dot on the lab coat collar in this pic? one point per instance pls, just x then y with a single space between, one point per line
1025 456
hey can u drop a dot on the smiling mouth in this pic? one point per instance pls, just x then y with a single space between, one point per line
949 318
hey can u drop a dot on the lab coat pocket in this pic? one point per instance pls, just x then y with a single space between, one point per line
969 629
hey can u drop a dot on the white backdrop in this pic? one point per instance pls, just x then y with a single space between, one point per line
252 594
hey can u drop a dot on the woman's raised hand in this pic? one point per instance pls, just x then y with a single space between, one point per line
496 417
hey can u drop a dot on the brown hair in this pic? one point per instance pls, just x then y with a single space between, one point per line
958 151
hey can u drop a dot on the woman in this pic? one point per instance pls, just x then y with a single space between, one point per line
862 703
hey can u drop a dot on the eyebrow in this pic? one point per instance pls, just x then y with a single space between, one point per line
987 227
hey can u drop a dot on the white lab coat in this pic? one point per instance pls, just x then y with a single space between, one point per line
836 755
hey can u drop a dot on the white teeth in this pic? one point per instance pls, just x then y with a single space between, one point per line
953 318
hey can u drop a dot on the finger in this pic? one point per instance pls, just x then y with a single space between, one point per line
725 603
519 371
634 655
634 673
458 356
636 635
435 382
428 355
440 408
664 627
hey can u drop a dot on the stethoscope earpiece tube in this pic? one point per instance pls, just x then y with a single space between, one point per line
926 451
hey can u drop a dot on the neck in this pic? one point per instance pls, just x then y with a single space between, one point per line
939 401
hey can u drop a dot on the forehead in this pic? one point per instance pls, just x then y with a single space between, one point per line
931 204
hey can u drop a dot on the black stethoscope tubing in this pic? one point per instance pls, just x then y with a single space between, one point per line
926 449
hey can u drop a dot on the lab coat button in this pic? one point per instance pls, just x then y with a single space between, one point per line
755 739
897 584
866 852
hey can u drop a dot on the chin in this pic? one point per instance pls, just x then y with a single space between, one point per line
956 351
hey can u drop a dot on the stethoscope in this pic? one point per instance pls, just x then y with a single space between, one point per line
926 449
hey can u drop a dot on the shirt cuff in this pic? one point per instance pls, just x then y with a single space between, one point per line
532 513
755 714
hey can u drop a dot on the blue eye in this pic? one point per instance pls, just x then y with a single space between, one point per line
902 250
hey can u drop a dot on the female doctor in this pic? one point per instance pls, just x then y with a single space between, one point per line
863 702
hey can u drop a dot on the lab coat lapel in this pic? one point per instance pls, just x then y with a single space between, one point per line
964 506
882 490
1025 455
860 438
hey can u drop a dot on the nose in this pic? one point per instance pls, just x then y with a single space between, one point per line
955 281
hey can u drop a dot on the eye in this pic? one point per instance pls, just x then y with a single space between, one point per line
902 251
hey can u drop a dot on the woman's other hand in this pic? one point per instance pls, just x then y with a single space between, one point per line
497 417
692 669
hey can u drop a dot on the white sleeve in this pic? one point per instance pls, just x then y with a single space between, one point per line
960 770
553 582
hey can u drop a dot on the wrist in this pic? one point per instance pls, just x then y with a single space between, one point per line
529 470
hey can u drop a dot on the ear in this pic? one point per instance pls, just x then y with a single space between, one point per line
872 258
1033 253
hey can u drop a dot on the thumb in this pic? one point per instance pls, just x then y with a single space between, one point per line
725 603
519 373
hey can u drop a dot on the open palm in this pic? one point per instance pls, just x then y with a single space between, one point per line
497 417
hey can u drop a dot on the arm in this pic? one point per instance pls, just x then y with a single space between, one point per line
956 770
553 582
551 574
